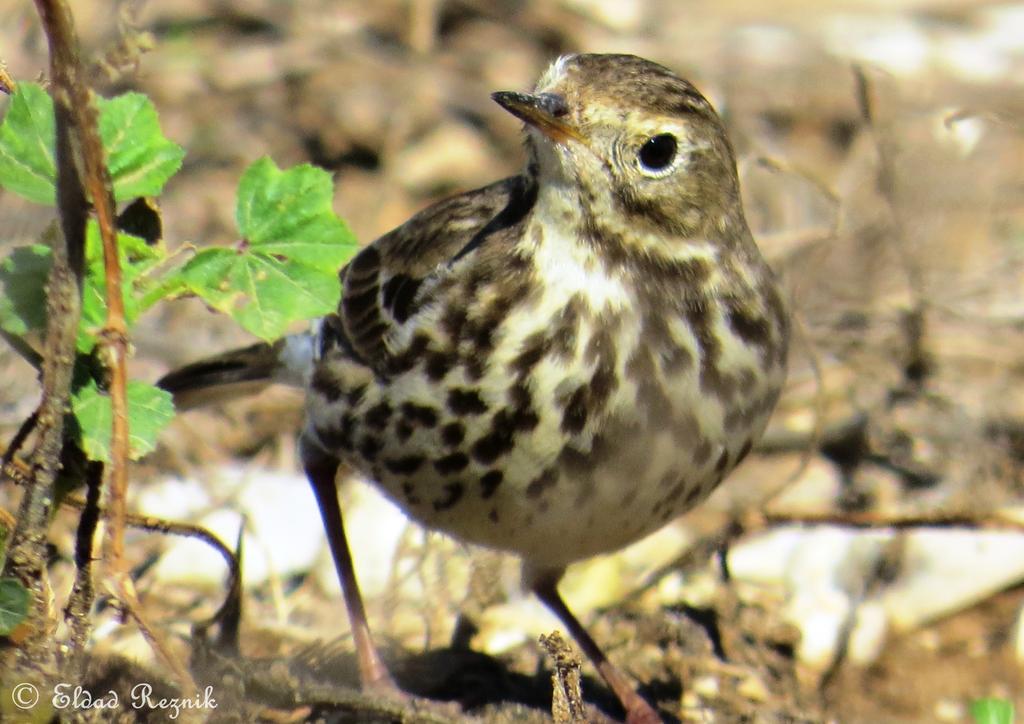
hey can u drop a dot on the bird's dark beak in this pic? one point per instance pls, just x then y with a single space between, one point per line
547 112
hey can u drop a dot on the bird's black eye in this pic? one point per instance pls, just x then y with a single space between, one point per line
658 152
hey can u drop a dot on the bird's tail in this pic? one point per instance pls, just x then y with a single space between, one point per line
241 372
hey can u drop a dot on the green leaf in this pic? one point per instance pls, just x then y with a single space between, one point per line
149 410
27 137
263 294
23 276
14 600
992 711
139 157
136 258
285 269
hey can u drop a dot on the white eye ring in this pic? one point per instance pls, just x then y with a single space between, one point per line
658 155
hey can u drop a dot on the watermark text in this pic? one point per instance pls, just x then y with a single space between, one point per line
140 697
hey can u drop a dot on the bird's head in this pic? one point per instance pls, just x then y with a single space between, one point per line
630 134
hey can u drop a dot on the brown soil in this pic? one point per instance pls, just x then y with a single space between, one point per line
900 250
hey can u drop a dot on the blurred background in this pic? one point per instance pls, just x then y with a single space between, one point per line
880 148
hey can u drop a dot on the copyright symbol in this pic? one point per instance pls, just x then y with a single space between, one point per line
25 696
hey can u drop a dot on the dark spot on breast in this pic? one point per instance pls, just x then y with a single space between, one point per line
354 396
462 401
493 515
542 482
693 495
476 366
369 447
735 418
602 351
702 453
746 380
675 359
439 364
405 360
574 416
779 345
420 414
522 420
521 415
651 398
338 438
482 339
453 320
676 492
650 395
752 328
408 491
712 379
534 348
668 478
602 384
452 463
767 402
377 416
398 294
403 430
574 459
495 444
481 330
565 328
744 451
452 493
453 433
519 395
489 482
654 332
325 384
723 462
640 365
406 465
600 345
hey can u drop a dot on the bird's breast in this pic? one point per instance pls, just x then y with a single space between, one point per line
557 410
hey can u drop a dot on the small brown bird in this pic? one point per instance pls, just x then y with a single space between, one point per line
556 364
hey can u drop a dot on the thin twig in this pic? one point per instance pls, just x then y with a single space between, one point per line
83 593
17 472
17 441
23 348
77 116
901 521
26 559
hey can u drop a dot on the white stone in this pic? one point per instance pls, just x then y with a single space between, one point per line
283 533
823 573
945 571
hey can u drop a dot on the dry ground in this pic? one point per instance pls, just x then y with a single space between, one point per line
900 242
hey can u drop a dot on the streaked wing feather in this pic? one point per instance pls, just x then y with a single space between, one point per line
382 284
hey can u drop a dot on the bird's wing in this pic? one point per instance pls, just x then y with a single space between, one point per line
383 286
